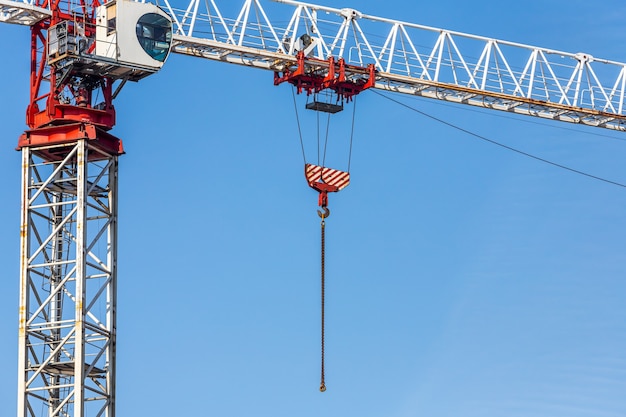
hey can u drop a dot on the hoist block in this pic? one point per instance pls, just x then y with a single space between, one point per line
325 179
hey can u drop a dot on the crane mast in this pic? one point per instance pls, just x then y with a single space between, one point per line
68 227
67 309
67 316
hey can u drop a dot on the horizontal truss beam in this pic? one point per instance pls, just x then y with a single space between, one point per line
409 58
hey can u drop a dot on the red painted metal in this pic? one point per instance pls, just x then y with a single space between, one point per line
60 108
46 106
313 75
325 180
49 140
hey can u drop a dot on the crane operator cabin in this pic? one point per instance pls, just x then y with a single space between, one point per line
130 41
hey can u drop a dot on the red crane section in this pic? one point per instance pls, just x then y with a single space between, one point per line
313 75
77 54
62 88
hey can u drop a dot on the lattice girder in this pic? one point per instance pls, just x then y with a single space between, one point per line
68 281
413 59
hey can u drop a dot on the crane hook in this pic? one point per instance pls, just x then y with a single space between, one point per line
325 214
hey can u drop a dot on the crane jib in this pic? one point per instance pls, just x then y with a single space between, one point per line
409 58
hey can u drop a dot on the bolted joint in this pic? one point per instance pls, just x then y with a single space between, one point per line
584 58
351 14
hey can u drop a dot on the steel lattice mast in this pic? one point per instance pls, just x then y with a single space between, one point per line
69 160
68 277
68 230
68 280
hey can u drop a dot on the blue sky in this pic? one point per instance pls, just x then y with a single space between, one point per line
462 278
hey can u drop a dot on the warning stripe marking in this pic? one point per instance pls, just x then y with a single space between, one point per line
313 173
334 177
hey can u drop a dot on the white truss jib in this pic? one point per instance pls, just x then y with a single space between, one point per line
68 282
410 58
21 12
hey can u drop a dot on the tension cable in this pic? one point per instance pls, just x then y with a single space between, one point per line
295 105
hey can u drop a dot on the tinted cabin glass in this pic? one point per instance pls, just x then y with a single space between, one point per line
155 35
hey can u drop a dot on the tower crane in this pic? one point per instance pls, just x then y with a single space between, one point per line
84 52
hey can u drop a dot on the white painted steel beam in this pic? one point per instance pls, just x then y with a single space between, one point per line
410 58
22 12
418 60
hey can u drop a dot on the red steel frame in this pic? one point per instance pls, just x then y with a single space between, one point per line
313 75
333 75
52 120
66 130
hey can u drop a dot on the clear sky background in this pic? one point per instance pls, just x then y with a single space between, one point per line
462 279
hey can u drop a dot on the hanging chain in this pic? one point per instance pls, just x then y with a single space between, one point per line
323 225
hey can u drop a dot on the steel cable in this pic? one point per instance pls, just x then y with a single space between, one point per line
483 138
295 105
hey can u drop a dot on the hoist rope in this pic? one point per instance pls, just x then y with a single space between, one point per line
321 153
295 106
317 118
352 133
326 139
323 225
319 146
